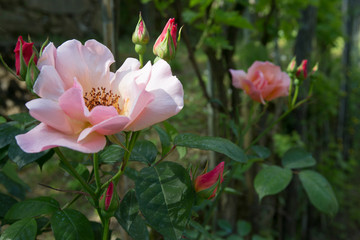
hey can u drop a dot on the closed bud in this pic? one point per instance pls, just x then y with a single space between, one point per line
206 184
23 53
292 65
301 71
165 45
141 34
109 201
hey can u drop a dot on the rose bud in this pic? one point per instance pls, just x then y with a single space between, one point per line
301 71
165 45
206 184
109 201
23 53
141 34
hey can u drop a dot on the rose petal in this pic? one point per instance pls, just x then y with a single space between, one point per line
88 63
50 113
48 56
167 93
49 84
107 127
73 104
237 77
43 137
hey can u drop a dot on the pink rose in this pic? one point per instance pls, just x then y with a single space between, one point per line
206 184
27 52
82 101
263 82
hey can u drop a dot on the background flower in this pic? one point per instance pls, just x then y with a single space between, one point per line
263 82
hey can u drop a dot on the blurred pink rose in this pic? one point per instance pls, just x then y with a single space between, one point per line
81 100
263 82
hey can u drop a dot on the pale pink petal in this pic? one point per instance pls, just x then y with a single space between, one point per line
237 77
48 56
130 65
89 64
107 127
270 71
168 97
49 84
101 113
43 137
50 113
73 104
251 90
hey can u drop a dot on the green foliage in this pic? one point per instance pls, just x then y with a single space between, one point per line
21 230
297 158
165 195
319 191
271 180
216 144
71 224
129 217
32 208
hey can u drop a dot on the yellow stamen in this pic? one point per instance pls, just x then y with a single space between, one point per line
99 96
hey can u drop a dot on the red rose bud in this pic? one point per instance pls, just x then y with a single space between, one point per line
23 53
109 203
165 45
206 184
140 35
302 70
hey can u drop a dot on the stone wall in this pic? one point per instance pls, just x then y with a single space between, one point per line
42 18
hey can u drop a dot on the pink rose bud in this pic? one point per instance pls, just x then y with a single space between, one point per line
206 184
315 68
165 45
141 34
264 81
292 65
302 70
109 203
26 50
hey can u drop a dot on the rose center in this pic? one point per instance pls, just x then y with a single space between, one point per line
100 96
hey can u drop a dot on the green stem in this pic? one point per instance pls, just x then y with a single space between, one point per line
296 93
106 229
141 60
96 173
75 173
129 146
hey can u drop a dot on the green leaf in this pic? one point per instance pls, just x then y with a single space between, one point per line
272 180
21 158
243 228
6 203
166 196
220 145
8 131
32 208
297 158
112 154
225 226
144 151
319 191
232 18
2 120
24 229
261 152
165 140
71 224
13 187
22 118
128 217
